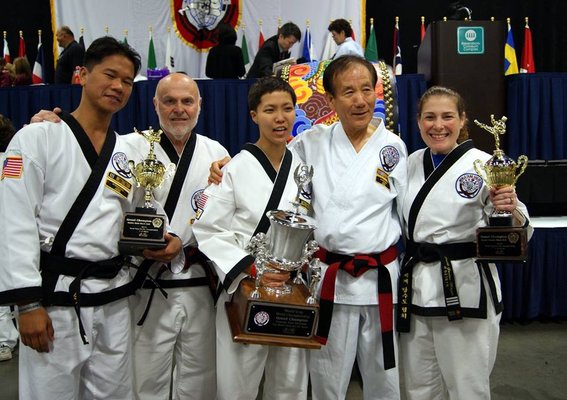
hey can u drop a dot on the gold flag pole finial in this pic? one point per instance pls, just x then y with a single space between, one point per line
527 25
82 30
507 20
307 22
260 23
422 19
279 22
125 32
106 29
4 34
444 19
21 34
397 19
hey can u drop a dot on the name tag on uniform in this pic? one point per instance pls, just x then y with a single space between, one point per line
382 178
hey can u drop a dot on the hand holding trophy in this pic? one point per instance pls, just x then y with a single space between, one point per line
144 229
500 241
283 315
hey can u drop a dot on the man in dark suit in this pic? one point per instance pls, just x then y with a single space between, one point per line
71 56
274 49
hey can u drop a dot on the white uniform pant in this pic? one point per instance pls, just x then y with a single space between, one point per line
354 334
72 370
8 333
179 334
449 360
240 367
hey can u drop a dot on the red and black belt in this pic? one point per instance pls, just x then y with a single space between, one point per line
356 265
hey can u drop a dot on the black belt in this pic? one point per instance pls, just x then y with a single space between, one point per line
52 266
427 253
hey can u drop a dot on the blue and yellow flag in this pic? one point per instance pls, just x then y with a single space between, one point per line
510 59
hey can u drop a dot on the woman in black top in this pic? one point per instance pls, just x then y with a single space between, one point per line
225 59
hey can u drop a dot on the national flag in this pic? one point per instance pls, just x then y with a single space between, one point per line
82 39
151 54
371 50
352 30
422 32
169 61
261 37
527 64
37 75
510 59
22 47
244 47
330 48
397 52
308 52
6 49
13 167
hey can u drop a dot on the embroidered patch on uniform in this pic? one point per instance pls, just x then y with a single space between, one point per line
382 178
13 167
120 164
195 199
468 185
389 156
200 201
118 184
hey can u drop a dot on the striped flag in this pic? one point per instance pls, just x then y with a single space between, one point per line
397 52
308 52
82 39
244 47
13 167
527 64
371 50
37 74
260 37
330 48
510 59
6 50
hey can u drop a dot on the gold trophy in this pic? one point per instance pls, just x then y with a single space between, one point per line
500 241
144 229
286 315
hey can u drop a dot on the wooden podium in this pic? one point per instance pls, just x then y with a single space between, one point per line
468 56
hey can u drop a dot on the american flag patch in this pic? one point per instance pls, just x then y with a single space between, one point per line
202 200
13 167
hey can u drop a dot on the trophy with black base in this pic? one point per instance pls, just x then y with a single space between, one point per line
144 228
286 315
500 240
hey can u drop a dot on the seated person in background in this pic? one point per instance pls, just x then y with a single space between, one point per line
342 35
23 72
7 73
225 60
274 49
226 220
71 56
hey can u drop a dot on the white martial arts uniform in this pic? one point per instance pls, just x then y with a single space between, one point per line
180 330
224 228
354 205
349 47
47 170
444 359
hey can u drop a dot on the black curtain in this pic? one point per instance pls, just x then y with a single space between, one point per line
546 20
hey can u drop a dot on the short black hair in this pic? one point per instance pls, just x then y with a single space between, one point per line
341 25
106 46
290 29
340 65
227 34
265 85
7 131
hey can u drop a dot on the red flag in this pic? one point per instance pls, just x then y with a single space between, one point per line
260 38
422 28
527 64
22 48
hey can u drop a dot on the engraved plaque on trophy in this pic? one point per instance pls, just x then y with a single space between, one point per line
144 228
286 315
500 241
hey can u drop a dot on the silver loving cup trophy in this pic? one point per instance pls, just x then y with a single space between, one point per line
500 170
145 227
287 247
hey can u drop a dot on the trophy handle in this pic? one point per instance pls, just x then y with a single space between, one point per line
479 168
522 164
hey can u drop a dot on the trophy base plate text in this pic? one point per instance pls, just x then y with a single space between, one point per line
273 320
501 244
141 231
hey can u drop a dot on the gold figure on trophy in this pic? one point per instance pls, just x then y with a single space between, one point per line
500 241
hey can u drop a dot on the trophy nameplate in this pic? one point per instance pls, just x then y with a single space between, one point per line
500 240
287 315
144 228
